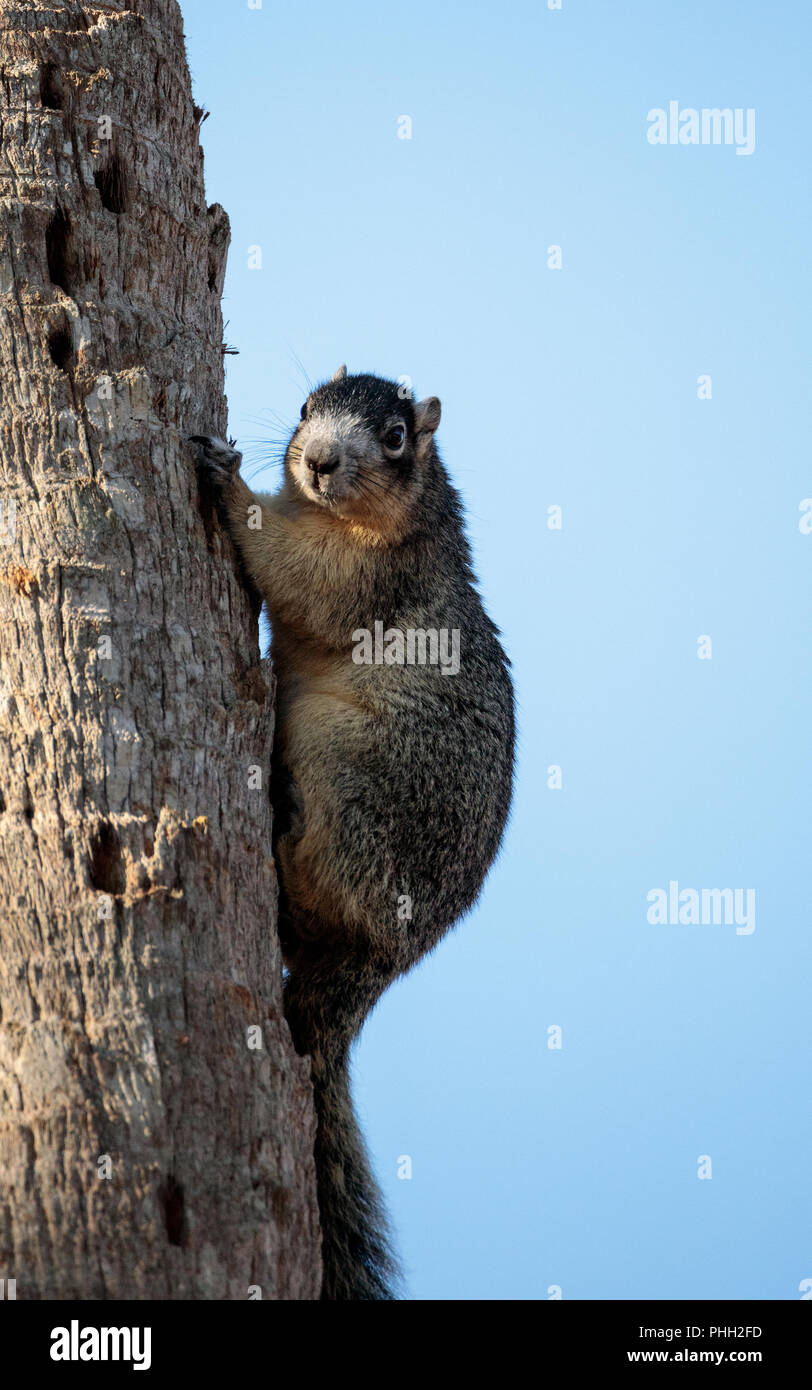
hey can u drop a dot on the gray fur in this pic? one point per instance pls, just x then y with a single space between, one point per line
391 783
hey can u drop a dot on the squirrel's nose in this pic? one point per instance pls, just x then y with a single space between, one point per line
322 456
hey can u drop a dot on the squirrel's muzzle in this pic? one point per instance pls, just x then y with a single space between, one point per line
322 456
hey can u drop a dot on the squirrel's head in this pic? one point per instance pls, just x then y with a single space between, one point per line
362 446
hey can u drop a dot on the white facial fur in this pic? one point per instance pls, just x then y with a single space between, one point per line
355 452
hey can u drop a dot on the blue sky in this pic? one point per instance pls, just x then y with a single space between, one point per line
535 1169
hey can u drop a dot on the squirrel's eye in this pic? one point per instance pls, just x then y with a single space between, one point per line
394 437
304 411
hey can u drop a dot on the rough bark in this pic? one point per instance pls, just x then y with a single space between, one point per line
149 1148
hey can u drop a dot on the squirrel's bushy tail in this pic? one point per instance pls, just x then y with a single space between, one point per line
358 1263
356 1253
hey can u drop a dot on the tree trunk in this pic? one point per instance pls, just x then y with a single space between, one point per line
156 1126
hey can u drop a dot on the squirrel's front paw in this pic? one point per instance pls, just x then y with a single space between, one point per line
218 459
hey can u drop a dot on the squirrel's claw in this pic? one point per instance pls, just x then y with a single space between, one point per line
219 459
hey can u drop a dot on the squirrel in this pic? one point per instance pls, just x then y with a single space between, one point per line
392 767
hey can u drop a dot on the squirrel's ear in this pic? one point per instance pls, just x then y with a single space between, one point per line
340 374
426 419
